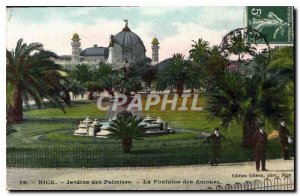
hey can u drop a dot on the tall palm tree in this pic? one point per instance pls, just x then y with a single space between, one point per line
179 72
216 62
74 86
127 128
144 70
108 78
209 61
239 47
93 86
82 73
247 99
31 75
95 79
199 52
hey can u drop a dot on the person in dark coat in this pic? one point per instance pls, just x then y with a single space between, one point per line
285 139
215 143
260 143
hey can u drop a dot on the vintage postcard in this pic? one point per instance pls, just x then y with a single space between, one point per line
150 98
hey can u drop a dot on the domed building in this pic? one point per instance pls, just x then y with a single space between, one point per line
125 47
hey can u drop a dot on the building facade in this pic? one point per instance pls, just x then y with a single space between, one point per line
125 47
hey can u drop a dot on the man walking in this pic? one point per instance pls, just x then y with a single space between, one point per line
285 139
260 144
215 143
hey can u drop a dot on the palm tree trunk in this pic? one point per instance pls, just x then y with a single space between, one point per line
15 111
67 97
249 127
179 87
127 143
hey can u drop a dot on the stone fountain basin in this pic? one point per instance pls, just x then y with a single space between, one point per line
151 125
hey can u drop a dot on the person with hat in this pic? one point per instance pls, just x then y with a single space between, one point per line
260 144
285 140
215 143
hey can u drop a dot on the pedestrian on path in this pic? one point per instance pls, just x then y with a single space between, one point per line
285 140
260 144
215 143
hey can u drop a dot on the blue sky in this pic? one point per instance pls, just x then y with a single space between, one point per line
175 27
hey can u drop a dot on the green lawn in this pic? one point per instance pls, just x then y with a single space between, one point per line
50 132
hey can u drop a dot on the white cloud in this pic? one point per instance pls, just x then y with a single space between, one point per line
181 43
216 16
56 35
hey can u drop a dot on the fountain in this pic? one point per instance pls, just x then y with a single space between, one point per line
88 127
99 129
156 126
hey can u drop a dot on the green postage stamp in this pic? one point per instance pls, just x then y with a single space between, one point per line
274 22
150 98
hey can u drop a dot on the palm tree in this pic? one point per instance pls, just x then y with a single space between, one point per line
31 75
127 128
200 52
213 67
93 86
108 78
239 47
74 86
144 70
209 61
149 75
216 62
178 72
82 73
282 59
264 95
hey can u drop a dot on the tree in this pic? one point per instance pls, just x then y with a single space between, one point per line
282 59
246 99
93 86
239 47
216 63
31 75
127 128
104 77
144 70
208 61
72 85
82 73
200 52
108 78
179 72
214 67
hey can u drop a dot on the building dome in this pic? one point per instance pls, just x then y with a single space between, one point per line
155 41
128 39
75 37
128 45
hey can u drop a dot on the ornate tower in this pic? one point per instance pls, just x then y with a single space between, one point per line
111 51
75 48
155 48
